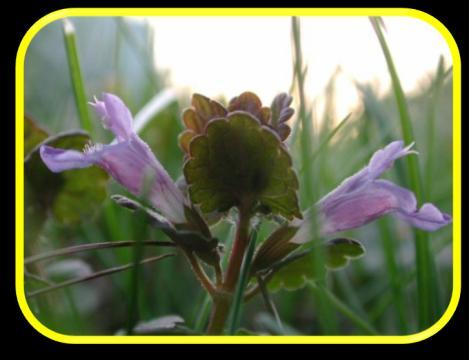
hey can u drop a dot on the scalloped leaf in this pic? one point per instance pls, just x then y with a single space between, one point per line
341 251
281 110
274 248
281 113
299 272
239 161
250 103
196 117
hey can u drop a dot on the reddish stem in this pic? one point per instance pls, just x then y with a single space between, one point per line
222 303
239 248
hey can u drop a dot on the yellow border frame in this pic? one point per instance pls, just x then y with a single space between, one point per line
284 339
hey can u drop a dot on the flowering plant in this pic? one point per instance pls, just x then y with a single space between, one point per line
238 165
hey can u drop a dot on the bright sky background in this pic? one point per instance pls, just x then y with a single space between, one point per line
228 55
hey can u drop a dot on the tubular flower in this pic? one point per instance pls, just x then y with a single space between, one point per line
363 198
128 161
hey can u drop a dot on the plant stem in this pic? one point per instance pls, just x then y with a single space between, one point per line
239 248
89 247
220 311
218 275
222 300
38 278
205 311
95 275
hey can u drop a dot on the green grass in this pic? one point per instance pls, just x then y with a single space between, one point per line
309 185
81 98
234 319
391 290
426 280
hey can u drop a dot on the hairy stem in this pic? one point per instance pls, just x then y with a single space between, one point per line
222 302
200 273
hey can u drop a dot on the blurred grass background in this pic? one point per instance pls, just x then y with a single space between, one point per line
380 288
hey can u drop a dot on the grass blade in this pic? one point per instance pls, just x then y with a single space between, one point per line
203 312
434 94
307 140
306 125
241 286
76 75
378 116
424 259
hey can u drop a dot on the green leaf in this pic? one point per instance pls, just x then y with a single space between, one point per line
72 196
293 276
340 251
202 244
240 161
301 270
275 248
33 135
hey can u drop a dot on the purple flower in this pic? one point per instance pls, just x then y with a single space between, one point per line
363 198
127 161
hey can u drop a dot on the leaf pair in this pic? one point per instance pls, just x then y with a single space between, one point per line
300 268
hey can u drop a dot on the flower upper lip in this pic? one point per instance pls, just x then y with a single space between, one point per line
362 198
358 200
126 161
